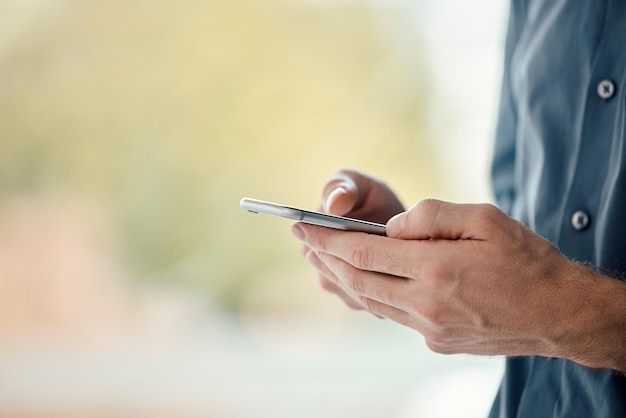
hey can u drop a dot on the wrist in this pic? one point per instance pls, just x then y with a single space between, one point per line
593 332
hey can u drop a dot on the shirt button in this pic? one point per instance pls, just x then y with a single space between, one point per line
580 220
606 89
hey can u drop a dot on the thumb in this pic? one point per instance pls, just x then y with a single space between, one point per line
435 219
344 192
340 200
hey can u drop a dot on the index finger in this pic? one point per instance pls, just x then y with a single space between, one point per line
363 251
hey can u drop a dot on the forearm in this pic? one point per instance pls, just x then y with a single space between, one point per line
596 334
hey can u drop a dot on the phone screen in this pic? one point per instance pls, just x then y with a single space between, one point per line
311 217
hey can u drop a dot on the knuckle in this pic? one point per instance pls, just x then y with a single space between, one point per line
352 281
432 314
439 276
488 214
366 303
426 212
417 270
428 207
361 257
318 241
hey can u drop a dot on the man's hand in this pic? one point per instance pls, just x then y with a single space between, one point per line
472 280
356 195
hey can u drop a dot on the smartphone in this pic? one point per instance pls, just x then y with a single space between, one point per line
310 217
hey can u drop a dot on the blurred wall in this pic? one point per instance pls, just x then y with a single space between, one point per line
159 116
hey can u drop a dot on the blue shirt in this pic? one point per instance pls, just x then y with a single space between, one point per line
560 167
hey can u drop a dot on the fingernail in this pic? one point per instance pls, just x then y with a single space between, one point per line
395 225
298 232
332 196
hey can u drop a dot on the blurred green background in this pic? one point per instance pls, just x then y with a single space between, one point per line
130 130
165 114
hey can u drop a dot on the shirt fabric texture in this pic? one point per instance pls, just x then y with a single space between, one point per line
560 168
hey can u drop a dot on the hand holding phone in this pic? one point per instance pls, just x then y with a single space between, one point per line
311 217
